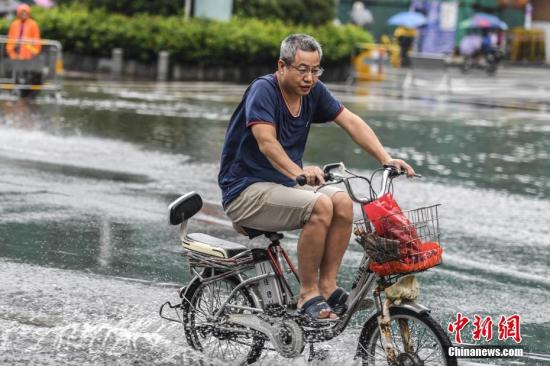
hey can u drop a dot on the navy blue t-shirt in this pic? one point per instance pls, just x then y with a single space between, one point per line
242 162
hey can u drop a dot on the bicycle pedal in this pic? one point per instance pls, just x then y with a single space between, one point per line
306 321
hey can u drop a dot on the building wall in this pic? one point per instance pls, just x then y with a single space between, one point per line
514 17
541 10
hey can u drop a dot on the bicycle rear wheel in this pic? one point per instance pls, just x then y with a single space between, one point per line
428 345
223 342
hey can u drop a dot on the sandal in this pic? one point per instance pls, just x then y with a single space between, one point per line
313 308
337 301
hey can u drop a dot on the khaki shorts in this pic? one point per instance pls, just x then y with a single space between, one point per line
275 207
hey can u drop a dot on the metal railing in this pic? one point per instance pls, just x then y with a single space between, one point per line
41 73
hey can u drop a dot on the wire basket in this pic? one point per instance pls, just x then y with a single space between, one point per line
404 242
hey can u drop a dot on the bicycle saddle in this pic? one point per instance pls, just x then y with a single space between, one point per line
210 245
254 233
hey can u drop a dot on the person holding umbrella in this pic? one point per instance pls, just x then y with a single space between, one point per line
486 49
405 33
405 38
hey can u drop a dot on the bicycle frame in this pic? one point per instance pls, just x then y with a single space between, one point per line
278 258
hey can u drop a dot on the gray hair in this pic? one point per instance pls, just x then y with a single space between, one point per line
291 44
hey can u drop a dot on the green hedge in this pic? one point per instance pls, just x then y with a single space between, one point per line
239 41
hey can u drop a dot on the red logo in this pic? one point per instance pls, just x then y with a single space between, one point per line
483 328
457 326
508 327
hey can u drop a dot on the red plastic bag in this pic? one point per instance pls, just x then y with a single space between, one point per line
391 223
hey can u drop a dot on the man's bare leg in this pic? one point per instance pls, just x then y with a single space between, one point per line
311 249
337 241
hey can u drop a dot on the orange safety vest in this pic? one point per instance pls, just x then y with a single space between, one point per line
30 32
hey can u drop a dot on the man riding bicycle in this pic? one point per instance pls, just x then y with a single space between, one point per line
262 157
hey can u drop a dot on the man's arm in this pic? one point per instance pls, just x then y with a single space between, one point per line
266 136
365 137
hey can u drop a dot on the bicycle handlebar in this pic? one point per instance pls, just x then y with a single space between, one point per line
389 172
302 179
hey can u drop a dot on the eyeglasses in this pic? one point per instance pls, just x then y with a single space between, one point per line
304 70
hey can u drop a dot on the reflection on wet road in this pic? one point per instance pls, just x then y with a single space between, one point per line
89 255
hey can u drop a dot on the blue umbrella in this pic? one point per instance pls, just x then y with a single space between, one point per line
483 20
408 19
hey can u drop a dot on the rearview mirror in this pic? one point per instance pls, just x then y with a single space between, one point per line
340 166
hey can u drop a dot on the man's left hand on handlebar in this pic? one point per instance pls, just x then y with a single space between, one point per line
401 165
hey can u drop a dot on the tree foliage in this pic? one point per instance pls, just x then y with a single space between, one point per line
237 42
314 12
130 7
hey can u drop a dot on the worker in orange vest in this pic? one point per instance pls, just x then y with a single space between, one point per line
24 36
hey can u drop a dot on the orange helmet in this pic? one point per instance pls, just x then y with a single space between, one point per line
23 8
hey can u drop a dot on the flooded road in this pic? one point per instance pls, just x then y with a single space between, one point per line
87 255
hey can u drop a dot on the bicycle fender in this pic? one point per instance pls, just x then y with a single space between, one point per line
413 306
416 307
183 291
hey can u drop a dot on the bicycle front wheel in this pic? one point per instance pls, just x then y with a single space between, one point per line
418 340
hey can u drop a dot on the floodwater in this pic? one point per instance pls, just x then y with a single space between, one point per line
87 255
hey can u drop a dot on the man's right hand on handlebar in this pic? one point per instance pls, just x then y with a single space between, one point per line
314 175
